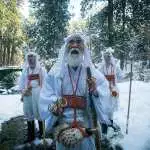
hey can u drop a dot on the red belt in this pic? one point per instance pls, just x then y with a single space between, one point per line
74 101
33 77
110 77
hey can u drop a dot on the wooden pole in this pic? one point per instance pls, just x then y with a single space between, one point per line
130 88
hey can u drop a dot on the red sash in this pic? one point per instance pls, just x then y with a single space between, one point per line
73 101
33 77
111 78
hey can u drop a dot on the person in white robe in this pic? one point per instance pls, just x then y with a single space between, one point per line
30 84
65 96
111 70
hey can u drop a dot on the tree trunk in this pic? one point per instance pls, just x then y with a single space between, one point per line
12 55
1 48
122 61
8 54
123 15
122 58
147 28
1 51
4 55
110 22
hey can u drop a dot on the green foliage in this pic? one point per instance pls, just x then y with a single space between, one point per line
130 25
11 35
9 80
49 28
77 26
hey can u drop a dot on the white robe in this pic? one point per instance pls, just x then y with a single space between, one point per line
52 90
113 102
31 103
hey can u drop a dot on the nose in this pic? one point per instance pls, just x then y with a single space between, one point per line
74 45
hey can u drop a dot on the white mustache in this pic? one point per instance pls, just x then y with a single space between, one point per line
74 51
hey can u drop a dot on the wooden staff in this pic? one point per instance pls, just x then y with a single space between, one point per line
94 116
130 87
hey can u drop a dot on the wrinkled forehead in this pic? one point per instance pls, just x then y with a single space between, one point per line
74 38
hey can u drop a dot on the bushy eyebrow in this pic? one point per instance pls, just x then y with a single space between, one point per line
75 40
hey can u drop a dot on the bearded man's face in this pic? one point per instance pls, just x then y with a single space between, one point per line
75 49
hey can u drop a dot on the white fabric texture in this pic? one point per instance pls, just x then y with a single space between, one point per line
113 67
58 75
58 83
31 103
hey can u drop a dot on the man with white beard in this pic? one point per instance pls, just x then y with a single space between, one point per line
113 74
31 81
65 97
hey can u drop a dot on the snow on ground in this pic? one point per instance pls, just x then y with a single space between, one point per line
139 123
10 106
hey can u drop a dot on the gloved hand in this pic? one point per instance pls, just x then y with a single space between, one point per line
27 91
114 93
91 84
57 107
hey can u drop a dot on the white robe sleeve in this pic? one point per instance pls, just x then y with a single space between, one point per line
101 102
47 97
22 80
43 74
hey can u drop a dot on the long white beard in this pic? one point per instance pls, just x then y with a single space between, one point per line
75 60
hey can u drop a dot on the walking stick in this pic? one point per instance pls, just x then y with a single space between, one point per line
130 87
97 135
